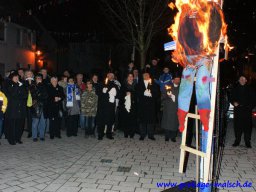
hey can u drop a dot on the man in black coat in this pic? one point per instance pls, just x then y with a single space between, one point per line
54 110
147 95
106 107
243 100
16 110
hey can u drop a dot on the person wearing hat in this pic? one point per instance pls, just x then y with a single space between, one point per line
39 103
243 100
16 110
147 95
106 106
170 106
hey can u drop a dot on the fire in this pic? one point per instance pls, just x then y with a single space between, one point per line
168 87
197 29
106 81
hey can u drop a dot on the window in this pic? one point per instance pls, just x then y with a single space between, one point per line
2 31
18 37
2 69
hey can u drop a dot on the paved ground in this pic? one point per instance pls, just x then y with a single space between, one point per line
88 165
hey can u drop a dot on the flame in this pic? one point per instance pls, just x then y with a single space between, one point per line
106 81
196 19
168 87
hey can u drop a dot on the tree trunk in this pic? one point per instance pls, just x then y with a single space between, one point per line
142 59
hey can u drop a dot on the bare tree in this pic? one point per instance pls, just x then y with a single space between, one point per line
137 21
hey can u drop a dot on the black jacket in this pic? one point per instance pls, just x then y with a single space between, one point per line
39 96
54 108
106 109
17 100
147 105
128 118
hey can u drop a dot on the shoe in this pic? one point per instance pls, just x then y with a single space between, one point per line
181 117
204 118
166 139
141 138
29 135
100 138
235 144
152 138
75 135
173 140
110 137
35 139
42 139
58 137
20 142
12 143
131 137
125 136
248 145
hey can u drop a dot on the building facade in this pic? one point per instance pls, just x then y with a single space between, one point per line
17 47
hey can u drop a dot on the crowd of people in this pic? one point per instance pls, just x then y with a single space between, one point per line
43 104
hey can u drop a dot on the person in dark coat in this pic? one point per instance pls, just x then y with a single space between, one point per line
243 100
29 82
128 107
55 97
106 107
170 107
147 95
16 111
39 98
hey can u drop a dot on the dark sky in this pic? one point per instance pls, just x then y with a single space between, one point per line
85 16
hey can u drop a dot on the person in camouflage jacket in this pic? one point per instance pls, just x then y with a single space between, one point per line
89 103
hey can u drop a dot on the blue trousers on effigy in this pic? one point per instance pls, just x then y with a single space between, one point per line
201 70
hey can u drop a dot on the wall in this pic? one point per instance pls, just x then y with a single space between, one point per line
18 47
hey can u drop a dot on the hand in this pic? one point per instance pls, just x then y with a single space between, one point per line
148 66
236 104
105 89
128 93
56 99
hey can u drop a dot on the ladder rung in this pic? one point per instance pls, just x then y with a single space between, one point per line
194 116
194 151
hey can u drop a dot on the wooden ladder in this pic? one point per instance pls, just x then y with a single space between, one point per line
206 155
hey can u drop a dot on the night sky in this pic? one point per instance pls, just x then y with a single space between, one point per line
85 16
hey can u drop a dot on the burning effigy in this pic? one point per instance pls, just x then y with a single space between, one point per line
197 29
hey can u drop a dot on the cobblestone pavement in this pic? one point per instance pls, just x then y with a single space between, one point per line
88 165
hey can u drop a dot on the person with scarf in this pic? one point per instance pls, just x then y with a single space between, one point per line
73 107
128 106
29 82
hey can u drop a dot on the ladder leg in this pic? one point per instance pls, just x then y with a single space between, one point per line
183 143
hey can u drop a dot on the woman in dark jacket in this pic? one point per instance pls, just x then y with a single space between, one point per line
16 110
39 98
55 97
128 107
